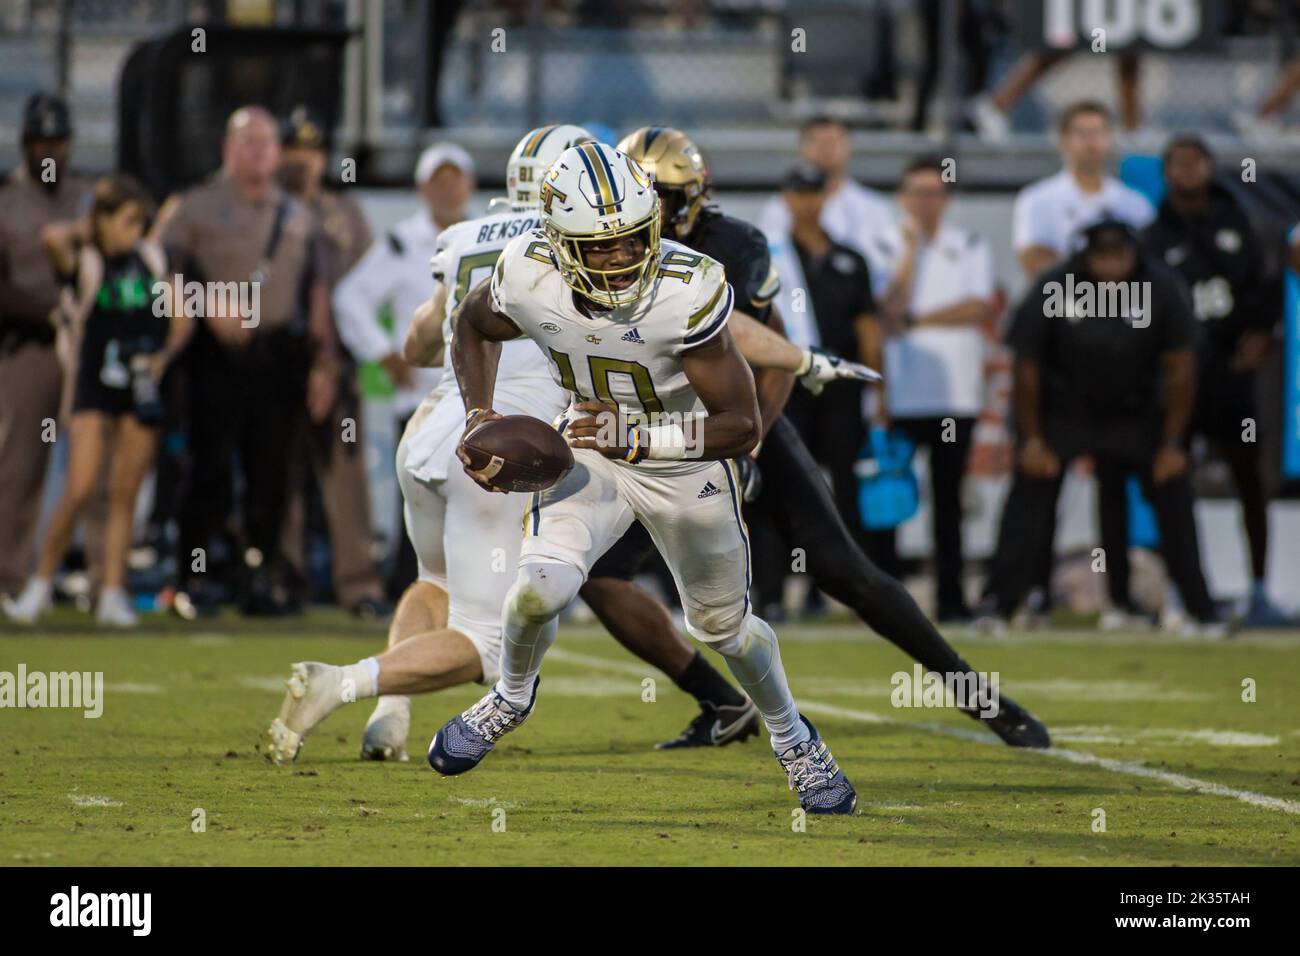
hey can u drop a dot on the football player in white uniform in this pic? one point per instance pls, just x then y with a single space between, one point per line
661 400
446 630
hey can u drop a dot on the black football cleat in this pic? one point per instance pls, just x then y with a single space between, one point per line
716 726
1016 726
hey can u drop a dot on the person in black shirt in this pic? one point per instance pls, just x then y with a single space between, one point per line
783 488
837 284
1202 232
126 324
1103 367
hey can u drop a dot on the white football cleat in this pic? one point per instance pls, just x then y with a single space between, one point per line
114 609
314 692
386 730
35 600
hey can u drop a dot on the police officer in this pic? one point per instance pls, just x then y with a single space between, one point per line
1204 234
40 191
335 448
253 364
1103 367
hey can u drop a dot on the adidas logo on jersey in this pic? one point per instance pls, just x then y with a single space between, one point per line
709 490
632 336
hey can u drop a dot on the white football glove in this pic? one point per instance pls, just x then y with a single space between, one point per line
820 367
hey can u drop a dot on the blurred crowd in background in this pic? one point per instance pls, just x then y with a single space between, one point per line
217 464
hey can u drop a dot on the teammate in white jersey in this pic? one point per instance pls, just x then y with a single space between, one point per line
661 399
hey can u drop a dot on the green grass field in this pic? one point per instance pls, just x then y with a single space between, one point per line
1151 730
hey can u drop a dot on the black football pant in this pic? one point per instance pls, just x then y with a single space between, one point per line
797 512
830 430
1029 520
947 468
1224 399
245 408
796 504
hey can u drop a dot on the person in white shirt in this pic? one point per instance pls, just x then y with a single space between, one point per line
853 214
934 286
1049 213
394 272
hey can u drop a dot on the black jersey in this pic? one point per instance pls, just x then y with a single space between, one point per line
743 252
1218 255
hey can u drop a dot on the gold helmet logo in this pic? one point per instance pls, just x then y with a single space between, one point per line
548 194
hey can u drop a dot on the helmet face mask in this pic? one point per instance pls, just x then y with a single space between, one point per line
679 205
592 195
598 285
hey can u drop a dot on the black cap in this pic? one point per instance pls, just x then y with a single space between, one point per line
305 129
804 178
46 117
1190 140
1107 232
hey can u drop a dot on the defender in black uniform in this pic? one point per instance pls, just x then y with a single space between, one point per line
1204 234
784 483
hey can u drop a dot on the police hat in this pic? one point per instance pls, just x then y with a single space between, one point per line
304 129
46 117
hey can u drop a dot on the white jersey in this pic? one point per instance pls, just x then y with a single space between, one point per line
1052 211
465 255
629 356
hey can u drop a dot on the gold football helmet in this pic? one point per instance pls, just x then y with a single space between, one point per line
680 176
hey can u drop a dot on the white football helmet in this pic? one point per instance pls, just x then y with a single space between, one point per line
592 194
534 155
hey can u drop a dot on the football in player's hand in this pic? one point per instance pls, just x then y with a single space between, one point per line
518 453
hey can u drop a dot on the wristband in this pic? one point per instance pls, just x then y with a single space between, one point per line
469 415
805 364
637 441
667 442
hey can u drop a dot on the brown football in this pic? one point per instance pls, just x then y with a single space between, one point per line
519 453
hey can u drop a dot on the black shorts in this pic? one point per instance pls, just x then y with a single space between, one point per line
91 395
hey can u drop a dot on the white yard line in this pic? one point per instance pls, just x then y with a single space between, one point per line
88 800
1177 780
